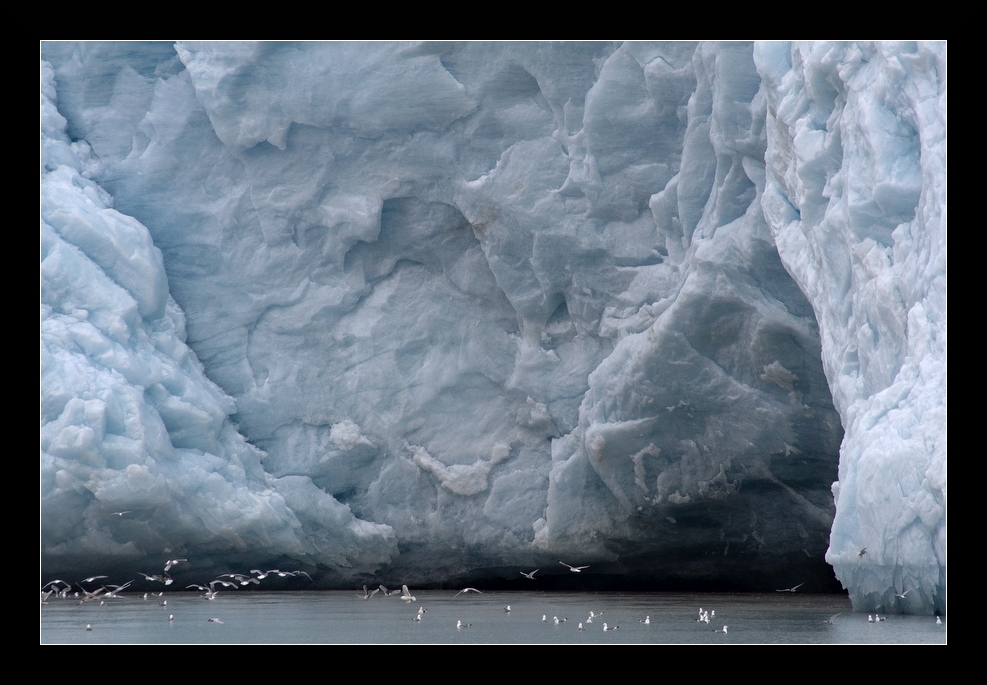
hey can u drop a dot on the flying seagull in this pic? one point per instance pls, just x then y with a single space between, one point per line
574 569
367 594
902 595
172 562
406 595
792 589
117 589
158 577
530 576
467 589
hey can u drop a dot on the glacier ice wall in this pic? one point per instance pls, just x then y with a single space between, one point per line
476 306
856 201
139 457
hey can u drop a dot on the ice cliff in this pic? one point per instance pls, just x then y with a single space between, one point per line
437 311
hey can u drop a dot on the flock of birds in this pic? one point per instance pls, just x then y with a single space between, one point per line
704 616
63 589
406 595
59 588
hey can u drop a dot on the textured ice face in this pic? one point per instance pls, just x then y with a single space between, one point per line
483 305
856 198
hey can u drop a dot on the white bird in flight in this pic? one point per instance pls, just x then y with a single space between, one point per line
172 562
117 589
530 576
792 589
368 594
574 569
467 589
406 595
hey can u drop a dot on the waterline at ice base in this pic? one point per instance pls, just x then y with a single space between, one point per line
444 312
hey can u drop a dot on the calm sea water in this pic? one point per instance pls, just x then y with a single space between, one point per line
343 618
